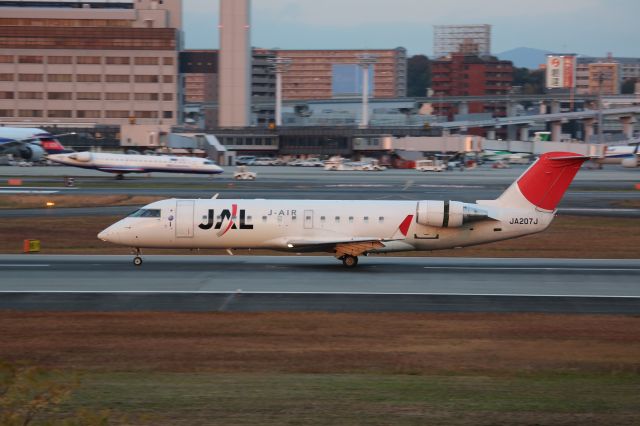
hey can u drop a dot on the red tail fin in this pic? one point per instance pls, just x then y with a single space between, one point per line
544 184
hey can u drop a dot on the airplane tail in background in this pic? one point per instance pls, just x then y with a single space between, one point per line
543 184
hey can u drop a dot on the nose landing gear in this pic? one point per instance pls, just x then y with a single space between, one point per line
137 260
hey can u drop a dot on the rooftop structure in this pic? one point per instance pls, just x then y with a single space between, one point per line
467 39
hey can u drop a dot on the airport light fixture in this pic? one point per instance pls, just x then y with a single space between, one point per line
365 60
279 65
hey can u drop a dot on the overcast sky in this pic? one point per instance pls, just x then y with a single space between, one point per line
591 27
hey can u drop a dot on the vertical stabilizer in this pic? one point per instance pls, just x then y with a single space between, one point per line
543 184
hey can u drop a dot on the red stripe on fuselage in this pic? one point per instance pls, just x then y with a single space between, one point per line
404 226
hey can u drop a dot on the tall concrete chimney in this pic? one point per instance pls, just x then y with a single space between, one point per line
234 78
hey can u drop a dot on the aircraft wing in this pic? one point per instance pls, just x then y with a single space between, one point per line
10 144
350 245
122 169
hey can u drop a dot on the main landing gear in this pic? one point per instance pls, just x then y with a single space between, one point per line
137 260
349 261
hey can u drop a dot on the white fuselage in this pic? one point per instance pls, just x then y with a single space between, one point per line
124 163
303 225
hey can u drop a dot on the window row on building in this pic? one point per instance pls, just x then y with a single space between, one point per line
88 96
87 78
86 60
248 141
38 113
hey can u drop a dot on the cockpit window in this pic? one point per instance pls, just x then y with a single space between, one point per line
209 162
146 213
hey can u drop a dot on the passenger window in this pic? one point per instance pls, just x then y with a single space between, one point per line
337 219
350 219
366 218
381 219
264 218
322 218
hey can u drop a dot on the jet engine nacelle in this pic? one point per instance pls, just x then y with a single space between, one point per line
81 156
32 152
630 162
448 214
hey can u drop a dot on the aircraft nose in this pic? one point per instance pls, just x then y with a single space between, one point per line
108 235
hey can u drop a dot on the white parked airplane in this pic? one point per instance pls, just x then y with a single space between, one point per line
626 155
349 229
135 163
29 143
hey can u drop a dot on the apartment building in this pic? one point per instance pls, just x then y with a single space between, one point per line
94 62
468 75
588 71
327 74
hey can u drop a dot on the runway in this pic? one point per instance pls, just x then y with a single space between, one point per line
312 283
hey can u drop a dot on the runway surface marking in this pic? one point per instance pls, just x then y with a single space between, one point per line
339 293
578 209
26 191
531 268
19 265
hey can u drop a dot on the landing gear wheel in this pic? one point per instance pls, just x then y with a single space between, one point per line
119 177
349 261
137 261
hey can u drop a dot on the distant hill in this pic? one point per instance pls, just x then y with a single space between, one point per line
525 57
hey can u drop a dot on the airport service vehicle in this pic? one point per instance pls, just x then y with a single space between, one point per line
430 166
131 163
349 229
243 174
29 144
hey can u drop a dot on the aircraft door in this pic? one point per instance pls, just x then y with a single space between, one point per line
308 219
184 219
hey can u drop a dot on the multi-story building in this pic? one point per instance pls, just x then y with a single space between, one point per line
326 74
604 78
89 62
467 39
466 75
199 71
586 78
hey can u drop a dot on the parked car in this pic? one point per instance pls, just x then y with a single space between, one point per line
245 160
312 162
266 161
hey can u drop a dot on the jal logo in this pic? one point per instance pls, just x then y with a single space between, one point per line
229 216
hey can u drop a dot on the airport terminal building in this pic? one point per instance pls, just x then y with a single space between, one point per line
89 63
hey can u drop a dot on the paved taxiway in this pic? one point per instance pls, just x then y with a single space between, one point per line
301 283
594 192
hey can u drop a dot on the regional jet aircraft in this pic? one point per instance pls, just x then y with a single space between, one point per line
135 163
30 144
626 155
349 229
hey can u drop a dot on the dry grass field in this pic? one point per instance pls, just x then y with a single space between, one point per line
317 368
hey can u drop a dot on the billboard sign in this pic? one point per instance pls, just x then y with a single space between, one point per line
561 71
